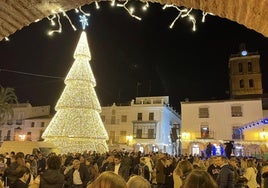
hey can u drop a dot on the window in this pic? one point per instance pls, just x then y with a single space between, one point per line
237 134
249 67
139 118
123 118
32 124
113 120
151 133
28 136
236 111
42 124
151 116
103 118
203 112
113 112
112 137
123 137
0 135
139 133
240 67
204 131
241 83
251 83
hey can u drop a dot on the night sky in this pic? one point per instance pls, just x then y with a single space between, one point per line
177 62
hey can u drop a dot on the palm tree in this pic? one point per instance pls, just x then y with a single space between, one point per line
7 97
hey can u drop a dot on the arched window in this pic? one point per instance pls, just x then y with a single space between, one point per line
240 67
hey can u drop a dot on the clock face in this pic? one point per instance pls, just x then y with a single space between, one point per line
244 53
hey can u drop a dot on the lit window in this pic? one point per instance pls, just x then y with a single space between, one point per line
204 131
32 124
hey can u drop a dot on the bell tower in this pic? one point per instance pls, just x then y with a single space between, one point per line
245 74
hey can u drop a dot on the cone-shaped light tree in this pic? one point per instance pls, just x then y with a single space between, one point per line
77 126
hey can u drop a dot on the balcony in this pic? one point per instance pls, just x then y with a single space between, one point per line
200 135
144 136
238 136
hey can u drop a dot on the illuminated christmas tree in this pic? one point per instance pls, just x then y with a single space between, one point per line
77 126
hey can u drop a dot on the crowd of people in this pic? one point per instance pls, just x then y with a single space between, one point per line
120 169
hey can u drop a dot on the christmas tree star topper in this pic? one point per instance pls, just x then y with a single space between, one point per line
84 21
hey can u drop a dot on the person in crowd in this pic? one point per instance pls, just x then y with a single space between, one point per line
138 182
41 163
199 179
142 169
78 176
12 172
108 179
92 168
33 165
51 177
23 176
213 169
181 171
107 162
160 175
251 174
118 168
264 175
225 177
168 171
209 150
234 163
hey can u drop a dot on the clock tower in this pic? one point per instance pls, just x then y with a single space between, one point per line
245 74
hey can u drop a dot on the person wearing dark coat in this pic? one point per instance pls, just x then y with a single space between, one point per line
119 168
52 178
23 176
142 169
225 177
78 176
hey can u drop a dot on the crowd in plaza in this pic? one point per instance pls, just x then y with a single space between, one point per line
121 169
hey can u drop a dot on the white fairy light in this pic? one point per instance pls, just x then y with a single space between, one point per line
70 21
130 11
6 38
57 30
187 12
178 16
97 5
113 3
83 12
193 21
51 19
146 6
205 14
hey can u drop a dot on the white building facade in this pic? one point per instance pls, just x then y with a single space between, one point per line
218 122
144 125
28 123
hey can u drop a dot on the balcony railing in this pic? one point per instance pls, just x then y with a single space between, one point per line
144 136
238 136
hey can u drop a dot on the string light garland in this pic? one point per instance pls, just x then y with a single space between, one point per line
129 10
56 18
182 13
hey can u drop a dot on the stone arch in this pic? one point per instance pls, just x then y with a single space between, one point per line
16 14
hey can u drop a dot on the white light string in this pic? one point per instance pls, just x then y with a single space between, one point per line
130 10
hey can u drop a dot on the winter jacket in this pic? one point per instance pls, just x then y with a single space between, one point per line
225 177
51 179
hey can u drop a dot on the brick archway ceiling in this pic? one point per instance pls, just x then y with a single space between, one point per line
16 14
